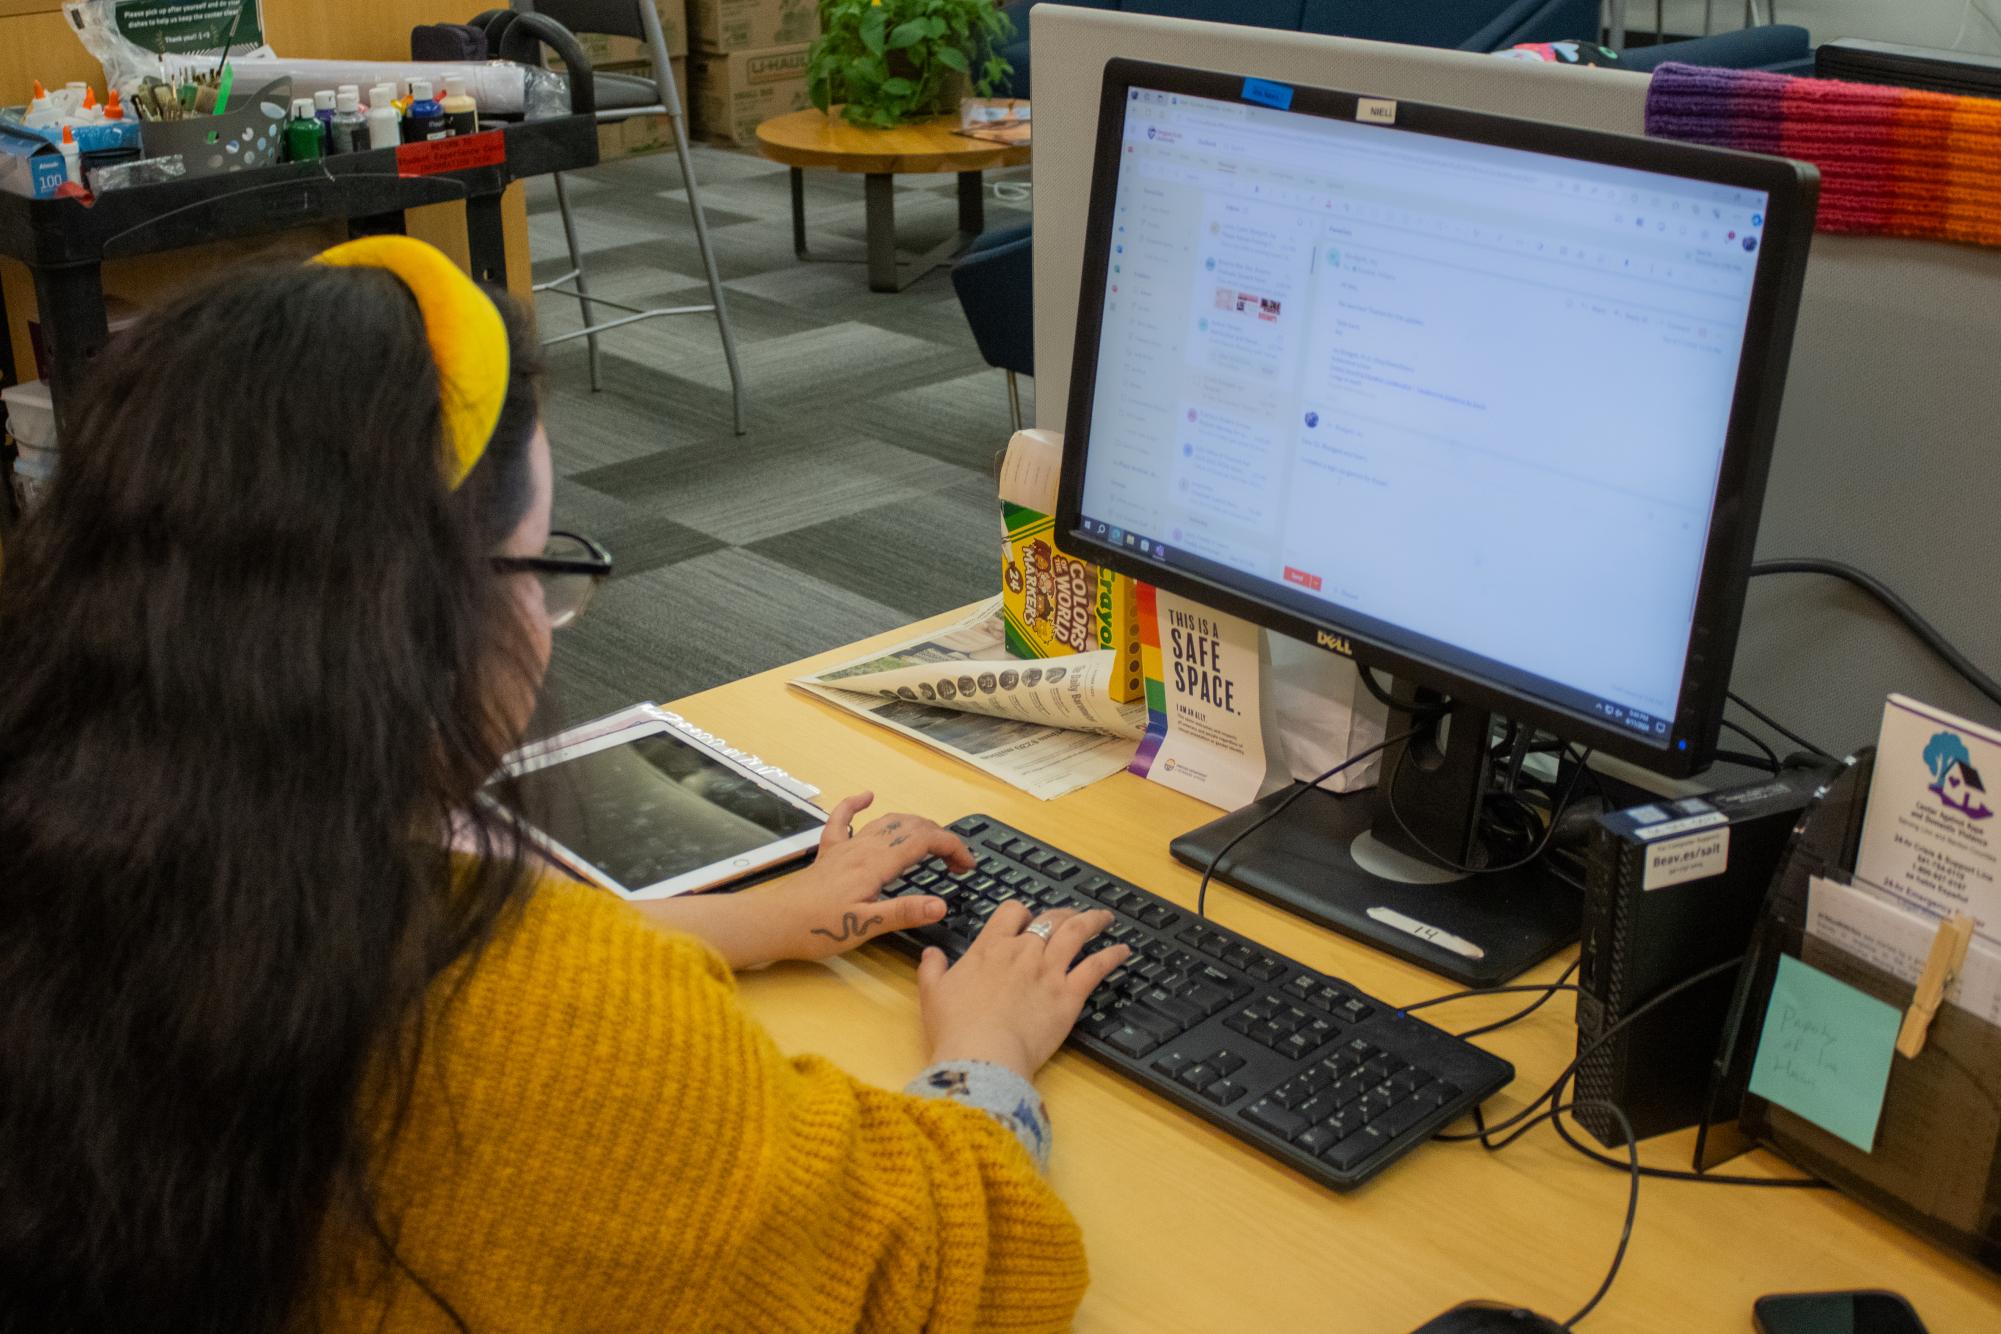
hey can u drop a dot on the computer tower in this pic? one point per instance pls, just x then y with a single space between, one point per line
1672 887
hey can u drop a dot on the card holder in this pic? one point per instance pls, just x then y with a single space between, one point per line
1935 1166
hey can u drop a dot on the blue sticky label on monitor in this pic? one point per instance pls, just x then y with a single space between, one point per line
1278 95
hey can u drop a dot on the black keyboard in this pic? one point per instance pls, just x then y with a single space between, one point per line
1297 1064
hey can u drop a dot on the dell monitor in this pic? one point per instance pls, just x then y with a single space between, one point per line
1483 403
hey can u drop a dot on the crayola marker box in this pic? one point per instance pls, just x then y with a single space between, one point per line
1053 603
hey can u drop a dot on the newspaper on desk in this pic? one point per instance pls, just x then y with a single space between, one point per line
1046 725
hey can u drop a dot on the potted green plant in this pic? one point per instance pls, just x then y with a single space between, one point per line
891 61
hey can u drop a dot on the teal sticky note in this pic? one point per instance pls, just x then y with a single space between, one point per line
1825 1052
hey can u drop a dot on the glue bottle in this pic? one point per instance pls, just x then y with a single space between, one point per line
426 120
72 158
461 112
113 108
88 110
305 137
42 113
347 132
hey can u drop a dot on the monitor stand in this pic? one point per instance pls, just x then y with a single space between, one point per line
1346 862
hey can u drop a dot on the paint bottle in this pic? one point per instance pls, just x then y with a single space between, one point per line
354 88
382 95
385 127
305 137
324 103
72 158
461 112
426 119
347 132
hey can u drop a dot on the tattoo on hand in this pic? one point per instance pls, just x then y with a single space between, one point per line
892 826
899 840
851 927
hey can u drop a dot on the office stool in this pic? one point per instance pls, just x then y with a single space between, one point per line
621 97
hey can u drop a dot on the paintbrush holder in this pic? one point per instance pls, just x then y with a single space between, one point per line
240 140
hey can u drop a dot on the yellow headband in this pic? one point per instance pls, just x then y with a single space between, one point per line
467 336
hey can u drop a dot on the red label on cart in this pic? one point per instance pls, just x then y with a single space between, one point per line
463 153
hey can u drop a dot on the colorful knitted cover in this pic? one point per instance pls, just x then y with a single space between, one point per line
1892 160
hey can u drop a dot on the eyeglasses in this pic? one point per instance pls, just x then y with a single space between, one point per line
569 569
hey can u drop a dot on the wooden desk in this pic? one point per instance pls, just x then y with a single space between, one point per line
1190 1230
818 139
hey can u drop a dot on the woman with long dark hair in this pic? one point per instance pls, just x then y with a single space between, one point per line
292 1035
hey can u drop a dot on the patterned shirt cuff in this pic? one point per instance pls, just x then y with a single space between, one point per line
995 1090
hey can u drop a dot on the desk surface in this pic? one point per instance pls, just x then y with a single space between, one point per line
1190 1230
817 139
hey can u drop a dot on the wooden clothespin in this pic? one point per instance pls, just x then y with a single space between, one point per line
1942 965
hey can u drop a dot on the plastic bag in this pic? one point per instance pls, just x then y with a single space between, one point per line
171 40
136 38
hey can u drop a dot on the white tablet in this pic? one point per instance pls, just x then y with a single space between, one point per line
648 812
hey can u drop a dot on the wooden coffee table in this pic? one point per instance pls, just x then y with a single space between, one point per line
813 139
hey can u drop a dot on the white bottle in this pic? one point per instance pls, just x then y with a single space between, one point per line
72 157
385 126
42 113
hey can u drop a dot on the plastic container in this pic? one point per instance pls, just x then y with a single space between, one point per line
34 473
31 415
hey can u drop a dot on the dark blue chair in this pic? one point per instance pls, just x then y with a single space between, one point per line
995 280
1779 47
1465 25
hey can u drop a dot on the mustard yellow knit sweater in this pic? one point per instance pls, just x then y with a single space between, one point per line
601 1139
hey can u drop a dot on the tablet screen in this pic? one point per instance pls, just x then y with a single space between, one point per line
655 808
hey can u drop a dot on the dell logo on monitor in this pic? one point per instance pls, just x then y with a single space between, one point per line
1334 642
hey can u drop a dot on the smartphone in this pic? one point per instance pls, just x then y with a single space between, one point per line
1835 1313
648 812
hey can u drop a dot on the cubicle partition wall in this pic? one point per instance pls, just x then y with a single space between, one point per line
1889 450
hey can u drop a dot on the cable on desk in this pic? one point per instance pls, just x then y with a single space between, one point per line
1632 1194
1771 757
1897 607
1562 983
1776 725
1520 988
1202 891
1677 1174
1554 1091
1557 808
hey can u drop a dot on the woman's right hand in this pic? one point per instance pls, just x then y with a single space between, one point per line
1013 997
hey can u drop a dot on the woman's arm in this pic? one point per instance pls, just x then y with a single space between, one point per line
604 1139
829 907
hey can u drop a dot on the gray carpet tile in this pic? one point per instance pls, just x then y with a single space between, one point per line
806 367
640 411
747 488
919 559
963 420
862 496
672 631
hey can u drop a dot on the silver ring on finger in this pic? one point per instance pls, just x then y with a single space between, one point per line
1041 927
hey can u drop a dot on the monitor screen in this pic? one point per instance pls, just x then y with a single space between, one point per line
1467 401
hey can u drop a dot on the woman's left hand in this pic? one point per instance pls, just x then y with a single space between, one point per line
830 907
834 905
